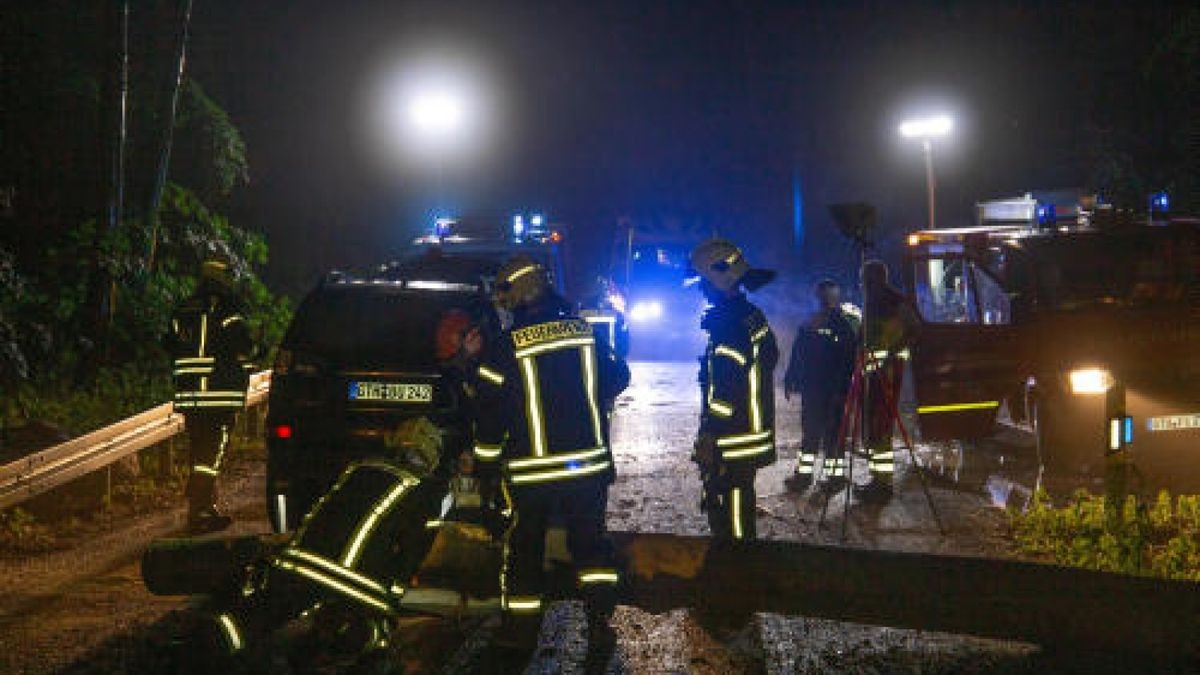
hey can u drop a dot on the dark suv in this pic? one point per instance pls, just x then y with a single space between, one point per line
357 362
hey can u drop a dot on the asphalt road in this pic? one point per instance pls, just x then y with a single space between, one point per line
84 610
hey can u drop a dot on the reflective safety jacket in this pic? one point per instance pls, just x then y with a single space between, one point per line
211 346
737 383
366 537
610 326
823 354
543 391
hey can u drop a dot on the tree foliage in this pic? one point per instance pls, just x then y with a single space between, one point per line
53 134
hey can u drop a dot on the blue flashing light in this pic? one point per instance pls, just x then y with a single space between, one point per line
1127 423
518 226
574 466
442 227
1160 201
1046 215
537 220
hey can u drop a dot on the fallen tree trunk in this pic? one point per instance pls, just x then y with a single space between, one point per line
1058 607
1048 605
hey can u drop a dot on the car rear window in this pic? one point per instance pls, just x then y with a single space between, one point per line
363 327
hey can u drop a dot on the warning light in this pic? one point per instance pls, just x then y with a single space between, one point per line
914 239
556 237
283 431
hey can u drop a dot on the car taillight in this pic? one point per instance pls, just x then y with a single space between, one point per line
282 431
283 362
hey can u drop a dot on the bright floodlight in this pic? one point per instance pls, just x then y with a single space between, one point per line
436 112
927 127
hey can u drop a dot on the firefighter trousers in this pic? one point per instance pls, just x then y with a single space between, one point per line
729 500
208 441
580 506
883 391
821 415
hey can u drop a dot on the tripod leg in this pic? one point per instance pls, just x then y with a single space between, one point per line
849 408
859 410
894 411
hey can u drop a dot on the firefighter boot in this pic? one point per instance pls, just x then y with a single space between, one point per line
877 491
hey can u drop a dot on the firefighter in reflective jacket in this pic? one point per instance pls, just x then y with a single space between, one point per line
890 325
542 432
820 369
211 347
605 310
737 419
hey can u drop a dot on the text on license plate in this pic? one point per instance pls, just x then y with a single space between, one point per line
391 392
1174 422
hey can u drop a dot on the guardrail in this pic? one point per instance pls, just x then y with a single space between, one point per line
52 467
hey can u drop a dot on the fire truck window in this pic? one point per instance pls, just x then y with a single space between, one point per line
994 304
943 289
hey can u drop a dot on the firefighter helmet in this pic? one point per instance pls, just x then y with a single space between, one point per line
722 264
521 282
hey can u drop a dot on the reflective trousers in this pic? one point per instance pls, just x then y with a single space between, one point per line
883 387
208 441
729 500
580 506
821 415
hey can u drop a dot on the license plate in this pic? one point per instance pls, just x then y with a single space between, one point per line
390 392
1174 422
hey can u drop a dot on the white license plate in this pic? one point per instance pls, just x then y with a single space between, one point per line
1174 422
390 392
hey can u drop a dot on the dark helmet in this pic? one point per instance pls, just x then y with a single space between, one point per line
521 282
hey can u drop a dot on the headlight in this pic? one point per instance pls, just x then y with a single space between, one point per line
1090 381
646 310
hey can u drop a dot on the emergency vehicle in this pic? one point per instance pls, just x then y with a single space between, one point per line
1049 310
648 266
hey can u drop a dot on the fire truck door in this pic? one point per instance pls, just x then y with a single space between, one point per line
965 355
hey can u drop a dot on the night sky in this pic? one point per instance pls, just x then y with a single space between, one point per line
700 110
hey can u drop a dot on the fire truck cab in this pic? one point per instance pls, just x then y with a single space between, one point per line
1042 310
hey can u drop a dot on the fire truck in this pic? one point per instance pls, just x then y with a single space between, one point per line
1080 320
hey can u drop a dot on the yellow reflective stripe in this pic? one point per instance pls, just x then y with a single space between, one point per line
523 604
491 375
742 453
730 352
956 407
556 458
231 632
720 408
190 360
741 439
372 519
220 393
231 320
335 568
533 404
588 356
521 272
336 585
488 451
756 418
203 333
599 576
544 476
760 334
200 468
556 345
184 405
735 510
1114 433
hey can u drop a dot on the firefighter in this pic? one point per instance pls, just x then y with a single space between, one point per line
737 420
889 329
542 433
211 346
820 368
